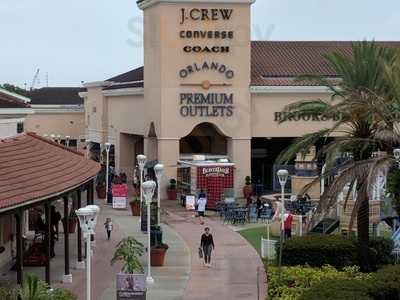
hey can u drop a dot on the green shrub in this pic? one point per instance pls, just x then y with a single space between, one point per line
8 294
385 283
380 251
319 250
337 289
297 280
337 251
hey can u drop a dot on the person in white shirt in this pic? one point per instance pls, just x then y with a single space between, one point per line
201 206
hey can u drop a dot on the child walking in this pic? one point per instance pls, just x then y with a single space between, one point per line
108 225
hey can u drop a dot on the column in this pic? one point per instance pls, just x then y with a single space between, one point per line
48 240
168 154
150 148
91 185
80 263
239 151
19 245
67 278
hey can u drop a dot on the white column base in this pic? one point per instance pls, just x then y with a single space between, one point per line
80 265
149 280
67 278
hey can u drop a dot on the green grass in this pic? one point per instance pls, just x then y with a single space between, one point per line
253 236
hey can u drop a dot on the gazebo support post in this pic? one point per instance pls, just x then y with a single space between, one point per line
19 245
67 278
47 241
80 264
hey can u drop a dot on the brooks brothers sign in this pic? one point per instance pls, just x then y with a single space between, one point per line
207 104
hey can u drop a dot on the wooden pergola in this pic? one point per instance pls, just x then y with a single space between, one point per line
36 171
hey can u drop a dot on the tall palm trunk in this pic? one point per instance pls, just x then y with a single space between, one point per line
363 235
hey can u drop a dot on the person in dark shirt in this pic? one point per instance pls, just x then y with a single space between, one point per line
207 244
260 207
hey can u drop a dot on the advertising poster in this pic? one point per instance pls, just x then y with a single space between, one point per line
131 286
120 196
190 202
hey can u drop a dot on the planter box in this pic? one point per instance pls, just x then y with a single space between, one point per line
158 256
101 191
135 208
172 194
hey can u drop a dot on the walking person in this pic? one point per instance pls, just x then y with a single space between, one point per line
108 225
260 207
207 245
287 223
201 206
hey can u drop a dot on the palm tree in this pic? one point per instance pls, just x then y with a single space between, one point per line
365 105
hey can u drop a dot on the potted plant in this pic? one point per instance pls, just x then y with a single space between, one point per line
247 189
171 190
157 255
72 221
129 251
135 206
101 183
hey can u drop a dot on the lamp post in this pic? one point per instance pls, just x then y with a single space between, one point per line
108 147
87 220
148 188
141 159
67 139
159 170
282 176
53 137
59 138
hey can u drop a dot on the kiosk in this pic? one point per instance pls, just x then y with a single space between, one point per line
215 176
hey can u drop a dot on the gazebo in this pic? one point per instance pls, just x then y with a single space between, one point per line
35 171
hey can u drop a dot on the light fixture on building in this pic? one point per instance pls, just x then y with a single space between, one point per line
159 171
67 139
148 188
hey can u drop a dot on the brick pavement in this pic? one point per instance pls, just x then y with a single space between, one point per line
235 262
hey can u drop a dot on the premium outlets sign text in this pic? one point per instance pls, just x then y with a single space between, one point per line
207 104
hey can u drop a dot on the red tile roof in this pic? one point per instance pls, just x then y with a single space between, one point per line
11 100
275 63
33 168
278 63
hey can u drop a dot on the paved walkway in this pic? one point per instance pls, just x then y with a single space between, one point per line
170 280
235 262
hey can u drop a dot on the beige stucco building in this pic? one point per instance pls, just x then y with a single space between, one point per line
58 112
207 88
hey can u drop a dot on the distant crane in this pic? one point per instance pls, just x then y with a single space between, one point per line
36 80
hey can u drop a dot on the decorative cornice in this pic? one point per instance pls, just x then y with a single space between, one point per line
96 84
16 111
289 90
58 109
124 92
143 4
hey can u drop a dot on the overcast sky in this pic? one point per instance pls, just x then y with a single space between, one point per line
90 40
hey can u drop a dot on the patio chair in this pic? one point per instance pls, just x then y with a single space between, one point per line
228 195
253 214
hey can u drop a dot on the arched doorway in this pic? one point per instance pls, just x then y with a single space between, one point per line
205 138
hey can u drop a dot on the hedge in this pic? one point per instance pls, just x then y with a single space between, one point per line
381 285
334 250
297 280
319 250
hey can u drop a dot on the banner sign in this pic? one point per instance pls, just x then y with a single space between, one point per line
190 202
120 195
